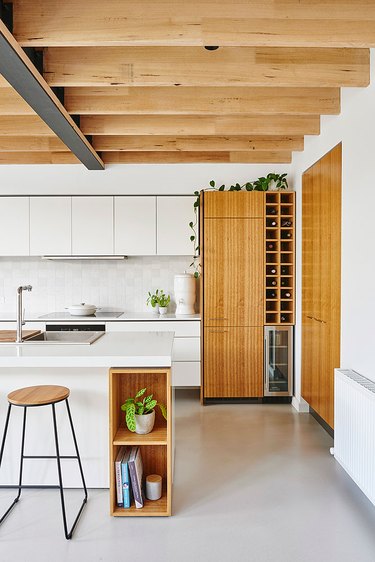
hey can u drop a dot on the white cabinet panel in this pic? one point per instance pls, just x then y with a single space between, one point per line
186 349
14 226
180 328
173 231
186 374
135 226
92 226
50 226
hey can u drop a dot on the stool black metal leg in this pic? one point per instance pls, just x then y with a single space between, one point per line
76 448
68 534
21 459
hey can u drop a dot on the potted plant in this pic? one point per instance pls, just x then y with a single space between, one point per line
164 301
140 414
159 301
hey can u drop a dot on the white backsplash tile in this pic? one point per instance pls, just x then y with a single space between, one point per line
121 285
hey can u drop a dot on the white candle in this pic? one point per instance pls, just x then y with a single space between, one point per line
153 486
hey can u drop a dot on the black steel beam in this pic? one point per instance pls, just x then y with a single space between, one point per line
25 79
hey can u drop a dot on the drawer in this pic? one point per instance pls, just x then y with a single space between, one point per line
180 328
186 349
186 374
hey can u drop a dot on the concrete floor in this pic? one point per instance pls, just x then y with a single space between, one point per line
252 483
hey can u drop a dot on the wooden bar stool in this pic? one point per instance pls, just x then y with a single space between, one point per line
30 397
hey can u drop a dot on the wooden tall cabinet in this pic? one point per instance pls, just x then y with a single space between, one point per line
233 253
321 282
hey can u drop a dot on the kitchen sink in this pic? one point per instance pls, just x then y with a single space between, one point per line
68 338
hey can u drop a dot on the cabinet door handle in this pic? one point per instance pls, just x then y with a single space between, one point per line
321 321
218 331
217 318
310 317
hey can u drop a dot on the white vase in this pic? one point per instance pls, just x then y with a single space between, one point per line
144 424
163 309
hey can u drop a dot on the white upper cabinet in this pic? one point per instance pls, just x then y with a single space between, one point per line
135 226
50 226
173 231
92 226
14 226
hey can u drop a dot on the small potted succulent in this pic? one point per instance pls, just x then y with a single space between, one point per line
140 414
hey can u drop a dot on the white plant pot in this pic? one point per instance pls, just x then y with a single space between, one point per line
163 309
144 424
154 309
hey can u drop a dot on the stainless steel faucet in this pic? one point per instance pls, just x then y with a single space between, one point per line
20 320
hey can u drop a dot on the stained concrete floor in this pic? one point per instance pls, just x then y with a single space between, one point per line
252 483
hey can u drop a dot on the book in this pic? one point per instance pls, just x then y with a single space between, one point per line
119 494
136 474
125 479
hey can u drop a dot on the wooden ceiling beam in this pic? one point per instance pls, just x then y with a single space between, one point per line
183 125
22 75
38 158
276 157
23 126
231 100
196 143
11 103
31 144
195 66
329 23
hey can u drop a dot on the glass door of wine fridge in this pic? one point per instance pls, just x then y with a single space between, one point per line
278 365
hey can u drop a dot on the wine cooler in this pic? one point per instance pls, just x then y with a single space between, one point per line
278 361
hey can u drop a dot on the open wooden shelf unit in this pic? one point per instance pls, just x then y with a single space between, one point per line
280 257
156 447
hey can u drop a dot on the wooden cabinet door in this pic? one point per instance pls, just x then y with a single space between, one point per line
321 282
233 272
233 362
233 204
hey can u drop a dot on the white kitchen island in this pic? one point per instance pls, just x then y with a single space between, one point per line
84 369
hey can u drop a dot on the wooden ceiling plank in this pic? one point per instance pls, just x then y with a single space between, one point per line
22 75
196 157
182 125
11 103
332 23
31 144
196 143
38 158
23 126
198 101
195 66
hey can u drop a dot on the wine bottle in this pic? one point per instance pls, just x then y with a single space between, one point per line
271 211
286 223
271 294
284 270
271 222
283 318
287 295
270 246
286 234
272 270
284 282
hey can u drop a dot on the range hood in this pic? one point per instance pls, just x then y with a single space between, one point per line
100 257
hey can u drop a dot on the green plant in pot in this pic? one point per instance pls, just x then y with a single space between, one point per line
140 413
159 301
164 301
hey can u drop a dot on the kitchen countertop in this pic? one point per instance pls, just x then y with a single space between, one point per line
125 317
118 349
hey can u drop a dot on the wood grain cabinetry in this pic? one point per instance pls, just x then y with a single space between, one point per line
156 447
232 246
233 264
233 362
321 282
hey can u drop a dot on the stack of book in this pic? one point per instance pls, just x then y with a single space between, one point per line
129 474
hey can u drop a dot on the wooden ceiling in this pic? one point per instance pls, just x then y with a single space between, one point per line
142 87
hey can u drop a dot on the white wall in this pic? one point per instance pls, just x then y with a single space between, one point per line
355 128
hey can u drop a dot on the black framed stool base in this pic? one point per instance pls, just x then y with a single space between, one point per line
58 457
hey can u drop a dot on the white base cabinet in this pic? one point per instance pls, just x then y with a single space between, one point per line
186 347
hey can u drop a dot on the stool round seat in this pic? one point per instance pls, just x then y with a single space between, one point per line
40 395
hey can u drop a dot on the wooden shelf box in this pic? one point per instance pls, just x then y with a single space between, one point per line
156 447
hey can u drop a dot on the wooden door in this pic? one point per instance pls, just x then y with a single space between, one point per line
233 362
233 272
321 281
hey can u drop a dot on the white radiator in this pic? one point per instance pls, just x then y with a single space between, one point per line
354 446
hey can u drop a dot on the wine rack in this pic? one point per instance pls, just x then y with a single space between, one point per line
280 257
